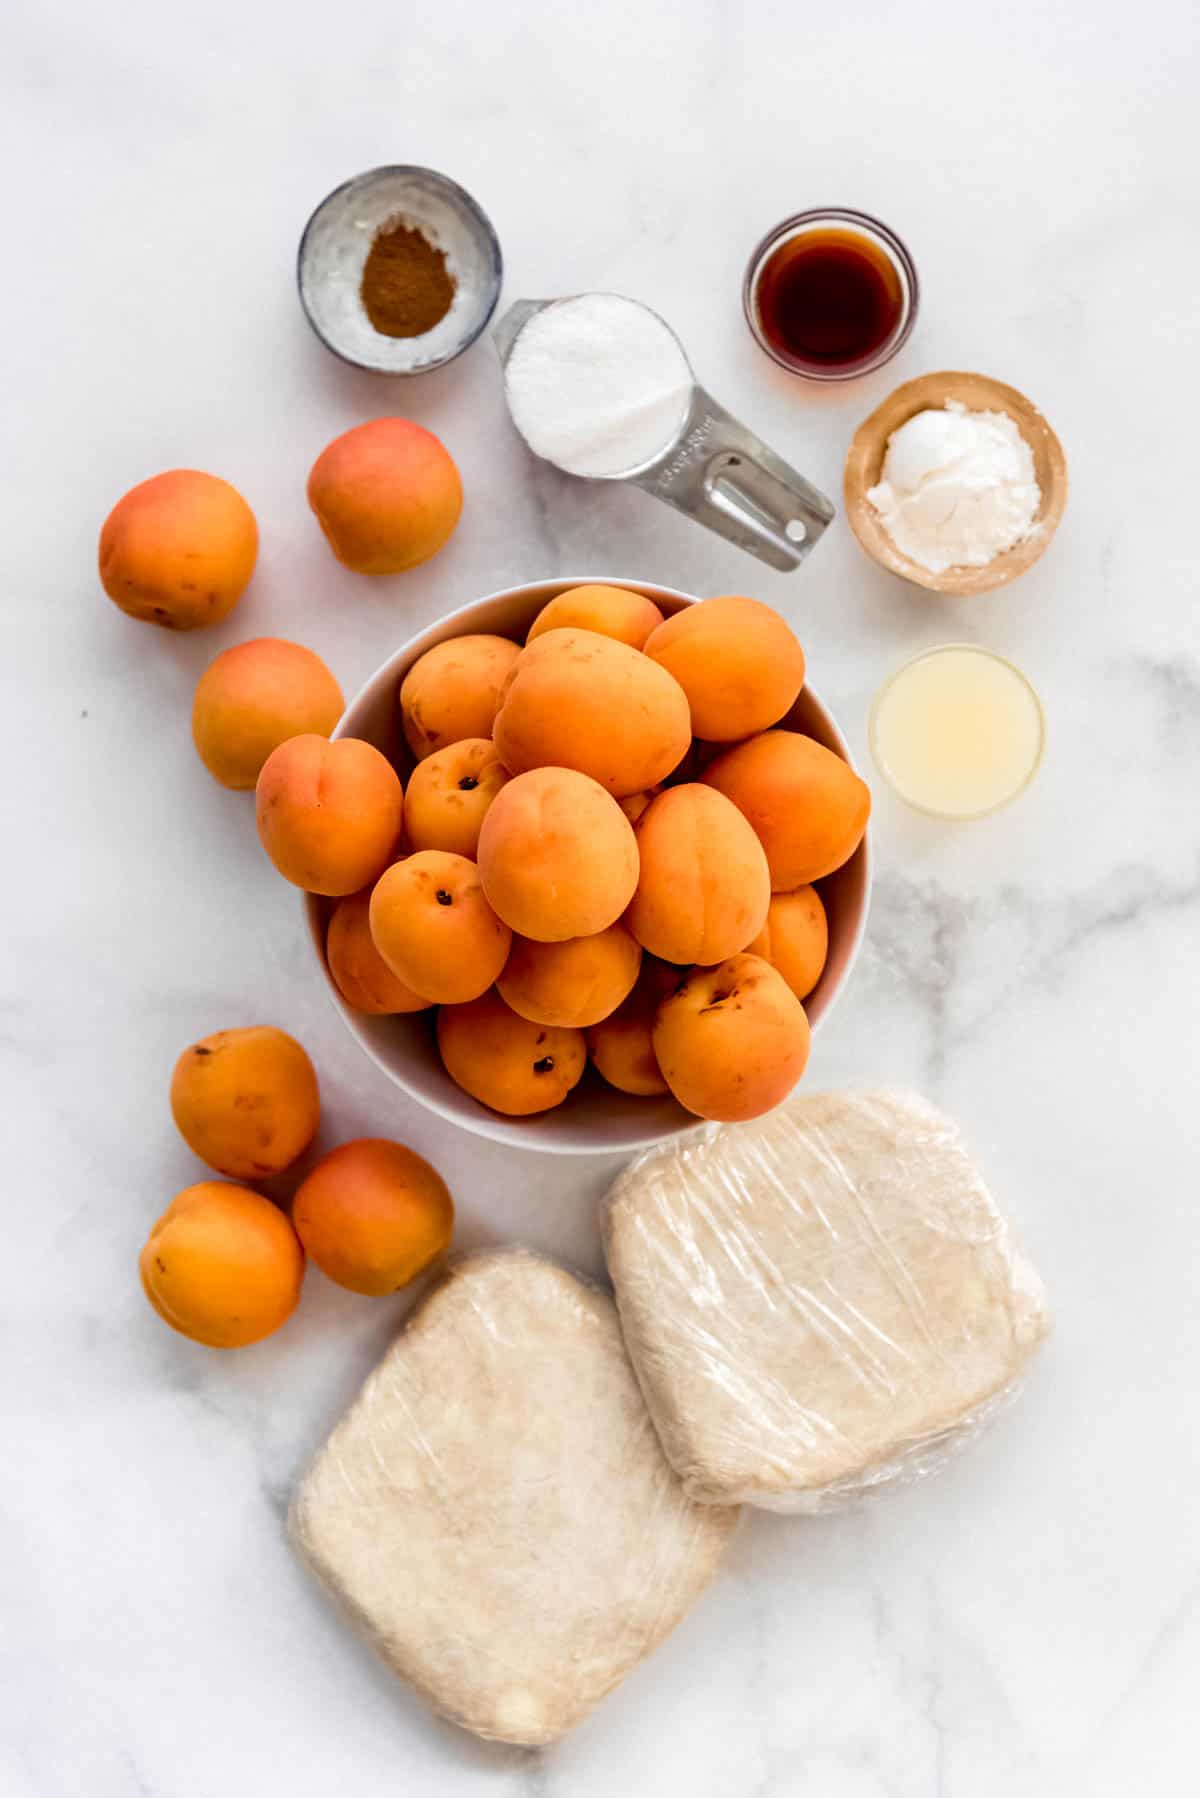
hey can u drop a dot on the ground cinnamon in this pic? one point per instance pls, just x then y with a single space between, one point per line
406 286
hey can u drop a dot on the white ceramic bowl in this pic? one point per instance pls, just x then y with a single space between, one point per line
595 1118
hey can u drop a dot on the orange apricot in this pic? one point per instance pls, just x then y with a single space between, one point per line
359 972
222 1265
246 1101
795 938
329 814
556 855
453 690
373 1215
506 1062
703 886
253 698
387 495
449 794
733 1041
578 700
609 611
739 663
635 803
435 929
621 1046
576 982
179 550
808 807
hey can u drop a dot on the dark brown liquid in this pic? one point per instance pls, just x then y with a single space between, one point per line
828 299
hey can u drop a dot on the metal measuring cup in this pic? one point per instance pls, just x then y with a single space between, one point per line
714 470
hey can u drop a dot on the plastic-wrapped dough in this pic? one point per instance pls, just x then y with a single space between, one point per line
495 1512
820 1302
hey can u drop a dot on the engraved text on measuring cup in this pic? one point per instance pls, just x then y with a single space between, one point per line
688 450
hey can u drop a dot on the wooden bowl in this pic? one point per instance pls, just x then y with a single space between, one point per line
864 465
595 1118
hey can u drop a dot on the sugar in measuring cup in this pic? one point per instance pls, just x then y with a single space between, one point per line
600 386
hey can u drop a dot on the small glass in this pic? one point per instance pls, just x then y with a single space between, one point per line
958 731
879 246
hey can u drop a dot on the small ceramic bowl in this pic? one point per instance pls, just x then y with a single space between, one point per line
864 465
595 1119
334 249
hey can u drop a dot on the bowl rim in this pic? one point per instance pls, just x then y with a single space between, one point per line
487 234
864 459
521 1132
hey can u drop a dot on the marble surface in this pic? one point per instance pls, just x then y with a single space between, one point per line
1025 1626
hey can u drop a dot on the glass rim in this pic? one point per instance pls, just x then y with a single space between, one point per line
869 226
924 655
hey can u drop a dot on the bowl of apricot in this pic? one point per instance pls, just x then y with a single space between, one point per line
632 873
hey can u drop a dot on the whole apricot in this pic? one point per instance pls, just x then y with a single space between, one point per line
435 929
609 611
246 1101
387 495
453 691
506 1062
733 1041
808 807
449 794
576 982
578 700
795 938
179 550
329 814
557 856
739 663
253 698
622 1046
703 886
373 1215
222 1265
360 973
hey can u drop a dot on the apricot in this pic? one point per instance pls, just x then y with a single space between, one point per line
578 700
453 690
738 662
449 794
808 807
179 550
373 1215
246 1101
329 814
387 495
222 1265
733 1041
435 929
703 887
636 803
795 938
622 1046
576 982
556 855
253 698
359 972
609 611
506 1062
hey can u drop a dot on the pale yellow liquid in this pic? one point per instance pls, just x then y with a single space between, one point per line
958 731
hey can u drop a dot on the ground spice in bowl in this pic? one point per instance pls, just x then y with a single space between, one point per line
406 286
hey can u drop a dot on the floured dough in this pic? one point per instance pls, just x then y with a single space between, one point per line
495 1511
820 1301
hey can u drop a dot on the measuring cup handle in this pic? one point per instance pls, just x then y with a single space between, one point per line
721 474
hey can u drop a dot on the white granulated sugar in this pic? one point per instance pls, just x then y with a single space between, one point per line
598 385
957 487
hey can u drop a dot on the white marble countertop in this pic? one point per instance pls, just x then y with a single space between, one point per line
1026 1625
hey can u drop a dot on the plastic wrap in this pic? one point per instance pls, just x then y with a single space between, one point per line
818 1303
495 1512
